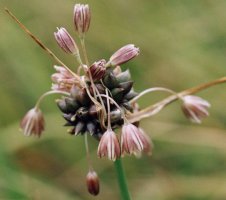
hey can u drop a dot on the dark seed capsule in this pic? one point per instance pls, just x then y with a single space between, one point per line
92 111
124 76
62 105
117 94
99 87
80 95
92 182
127 86
110 81
82 113
91 128
130 95
72 104
68 117
127 106
79 127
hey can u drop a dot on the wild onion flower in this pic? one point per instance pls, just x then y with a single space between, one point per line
195 108
103 100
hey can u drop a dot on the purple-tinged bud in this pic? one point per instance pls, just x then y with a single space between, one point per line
82 17
133 141
124 54
33 122
109 146
195 108
98 69
65 41
92 182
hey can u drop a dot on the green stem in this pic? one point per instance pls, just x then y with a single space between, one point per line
122 180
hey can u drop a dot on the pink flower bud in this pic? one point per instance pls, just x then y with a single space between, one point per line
97 69
65 41
109 146
124 54
33 122
92 182
133 140
82 17
195 108
63 80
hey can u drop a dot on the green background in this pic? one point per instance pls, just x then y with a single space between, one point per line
182 42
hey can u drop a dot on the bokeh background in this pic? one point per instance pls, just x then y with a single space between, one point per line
183 43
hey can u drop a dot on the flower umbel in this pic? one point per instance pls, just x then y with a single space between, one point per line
109 146
195 108
33 122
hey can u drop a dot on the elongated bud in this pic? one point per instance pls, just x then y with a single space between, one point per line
124 54
82 17
97 70
65 41
92 182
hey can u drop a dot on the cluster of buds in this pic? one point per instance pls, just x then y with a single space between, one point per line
100 101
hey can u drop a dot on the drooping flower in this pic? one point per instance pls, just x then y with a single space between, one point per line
82 17
92 182
33 122
195 108
124 54
133 140
63 80
97 69
66 42
147 143
109 146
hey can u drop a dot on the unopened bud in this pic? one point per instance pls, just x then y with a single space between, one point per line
66 42
92 182
82 17
124 54
97 69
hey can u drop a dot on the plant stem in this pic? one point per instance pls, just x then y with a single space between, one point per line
122 180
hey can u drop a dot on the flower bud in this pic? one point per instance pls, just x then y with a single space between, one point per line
65 41
124 54
92 182
195 108
97 70
33 122
82 17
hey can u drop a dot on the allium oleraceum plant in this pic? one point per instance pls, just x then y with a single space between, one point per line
99 98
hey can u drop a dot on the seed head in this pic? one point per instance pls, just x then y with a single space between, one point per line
33 122
97 69
92 182
124 54
82 17
65 41
133 141
195 108
109 146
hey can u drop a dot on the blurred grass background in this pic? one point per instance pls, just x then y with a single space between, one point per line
183 43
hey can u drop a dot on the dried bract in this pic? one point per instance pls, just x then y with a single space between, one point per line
33 122
195 108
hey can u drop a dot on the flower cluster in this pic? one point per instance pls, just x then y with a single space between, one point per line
101 99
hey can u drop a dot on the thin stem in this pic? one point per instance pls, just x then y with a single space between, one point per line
155 108
38 41
151 90
121 180
47 94
88 152
82 39
109 111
